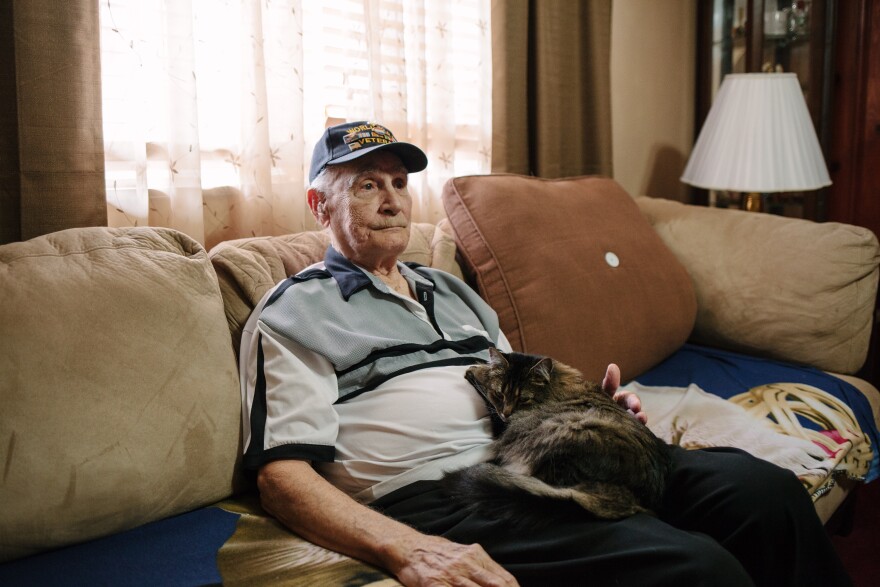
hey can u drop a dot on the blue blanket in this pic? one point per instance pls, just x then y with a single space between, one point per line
175 551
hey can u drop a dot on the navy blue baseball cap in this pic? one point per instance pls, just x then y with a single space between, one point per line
350 140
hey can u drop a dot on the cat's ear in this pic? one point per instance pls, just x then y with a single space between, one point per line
496 357
543 368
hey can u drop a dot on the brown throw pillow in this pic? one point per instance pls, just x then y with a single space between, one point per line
573 269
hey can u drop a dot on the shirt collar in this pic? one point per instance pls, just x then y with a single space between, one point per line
352 278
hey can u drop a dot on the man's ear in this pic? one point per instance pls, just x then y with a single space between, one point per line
318 206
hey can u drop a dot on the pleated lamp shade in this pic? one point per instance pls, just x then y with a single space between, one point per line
758 137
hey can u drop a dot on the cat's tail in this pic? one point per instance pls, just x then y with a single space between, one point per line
500 492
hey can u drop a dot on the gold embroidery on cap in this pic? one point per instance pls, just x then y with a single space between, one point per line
367 134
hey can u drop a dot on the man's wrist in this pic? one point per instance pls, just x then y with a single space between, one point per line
392 550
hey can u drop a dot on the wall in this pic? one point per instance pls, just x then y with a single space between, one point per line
652 94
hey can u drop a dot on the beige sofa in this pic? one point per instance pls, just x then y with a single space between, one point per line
119 380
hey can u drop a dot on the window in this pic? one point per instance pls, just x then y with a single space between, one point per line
211 107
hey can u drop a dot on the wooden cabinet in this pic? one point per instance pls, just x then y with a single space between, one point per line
854 150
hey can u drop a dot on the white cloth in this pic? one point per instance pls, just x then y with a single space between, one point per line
693 418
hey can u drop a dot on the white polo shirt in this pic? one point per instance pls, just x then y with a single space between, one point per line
368 385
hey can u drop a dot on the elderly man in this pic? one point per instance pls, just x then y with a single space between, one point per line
355 404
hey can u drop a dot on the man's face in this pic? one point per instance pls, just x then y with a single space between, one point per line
369 210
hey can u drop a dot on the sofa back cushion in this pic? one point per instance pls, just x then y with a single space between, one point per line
119 387
248 268
784 288
573 269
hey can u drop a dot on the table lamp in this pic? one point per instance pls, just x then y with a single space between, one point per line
758 138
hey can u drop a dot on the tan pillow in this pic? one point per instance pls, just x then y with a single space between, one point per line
248 268
573 269
120 400
780 287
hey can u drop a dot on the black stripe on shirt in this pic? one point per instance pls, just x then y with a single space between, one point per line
258 408
374 383
285 452
469 345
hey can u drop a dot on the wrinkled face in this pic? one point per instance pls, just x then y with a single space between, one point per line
369 208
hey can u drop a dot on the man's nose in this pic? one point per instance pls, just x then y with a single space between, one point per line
392 201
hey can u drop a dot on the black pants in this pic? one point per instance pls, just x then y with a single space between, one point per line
727 519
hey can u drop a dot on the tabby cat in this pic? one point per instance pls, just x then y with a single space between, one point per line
564 439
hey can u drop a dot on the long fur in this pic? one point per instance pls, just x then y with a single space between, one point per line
527 501
565 440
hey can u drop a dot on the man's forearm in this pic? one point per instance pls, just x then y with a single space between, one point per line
316 510
313 508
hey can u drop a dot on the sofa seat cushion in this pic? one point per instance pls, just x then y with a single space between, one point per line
790 289
573 269
119 387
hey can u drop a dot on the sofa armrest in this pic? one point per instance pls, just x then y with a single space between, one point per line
784 288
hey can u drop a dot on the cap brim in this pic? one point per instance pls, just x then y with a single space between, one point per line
413 158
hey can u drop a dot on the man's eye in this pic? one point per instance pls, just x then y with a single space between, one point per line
368 185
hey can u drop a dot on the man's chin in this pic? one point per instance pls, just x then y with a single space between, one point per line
395 238
392 234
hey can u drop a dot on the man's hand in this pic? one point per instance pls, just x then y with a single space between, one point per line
628 400
435 561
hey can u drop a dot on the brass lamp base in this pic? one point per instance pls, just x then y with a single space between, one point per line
752 202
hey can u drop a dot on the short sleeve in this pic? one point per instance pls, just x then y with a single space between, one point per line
288 393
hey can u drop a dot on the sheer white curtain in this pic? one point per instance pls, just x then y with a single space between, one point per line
211 107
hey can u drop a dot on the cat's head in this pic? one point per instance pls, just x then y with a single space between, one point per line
512 381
